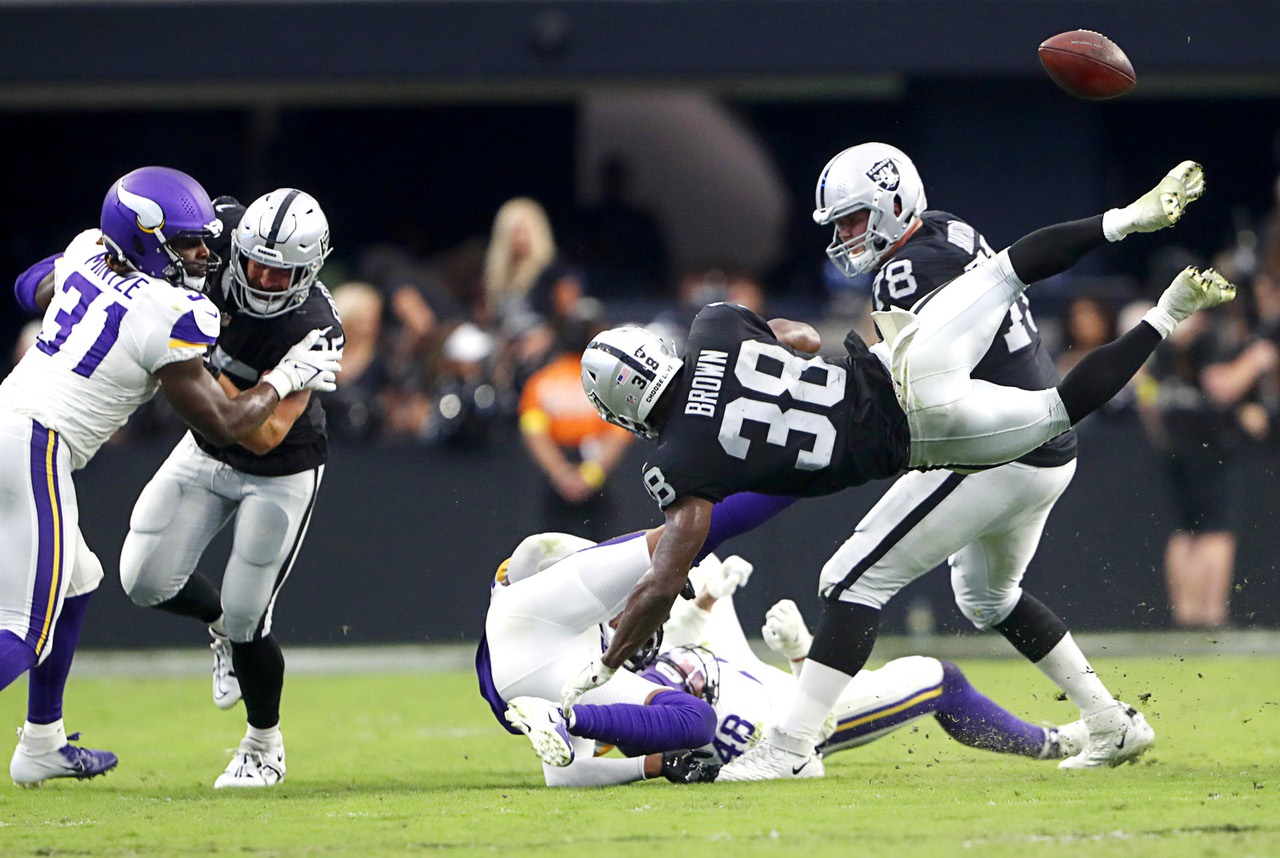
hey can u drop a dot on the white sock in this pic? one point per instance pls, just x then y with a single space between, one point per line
42 738
268 738
1116 224
816 694
1161 320
1066 665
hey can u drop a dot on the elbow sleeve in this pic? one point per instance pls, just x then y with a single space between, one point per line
24 288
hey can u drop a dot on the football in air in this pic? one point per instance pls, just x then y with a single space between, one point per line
1087 65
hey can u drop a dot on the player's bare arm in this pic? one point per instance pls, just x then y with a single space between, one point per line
272 431
688 519
801 336
199 400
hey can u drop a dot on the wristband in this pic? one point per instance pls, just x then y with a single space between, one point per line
279 382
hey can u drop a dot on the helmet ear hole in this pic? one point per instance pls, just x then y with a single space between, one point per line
137 245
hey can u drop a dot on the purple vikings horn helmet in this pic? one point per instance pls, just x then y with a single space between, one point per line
148 209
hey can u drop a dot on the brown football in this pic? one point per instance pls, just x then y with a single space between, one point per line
1087 65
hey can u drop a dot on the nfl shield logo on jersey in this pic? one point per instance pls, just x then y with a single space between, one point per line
885 174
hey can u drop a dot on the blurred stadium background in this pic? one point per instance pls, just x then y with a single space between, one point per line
413 121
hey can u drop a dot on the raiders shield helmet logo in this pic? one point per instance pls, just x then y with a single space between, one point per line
885 174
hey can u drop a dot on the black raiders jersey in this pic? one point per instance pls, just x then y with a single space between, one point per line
942 249
248 346
747 413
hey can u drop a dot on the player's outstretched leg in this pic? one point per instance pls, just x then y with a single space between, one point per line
954 327
1106 370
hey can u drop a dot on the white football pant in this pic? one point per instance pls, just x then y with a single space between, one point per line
955 419
187 502
44 558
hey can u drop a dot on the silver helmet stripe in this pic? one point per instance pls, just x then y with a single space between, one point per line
273 234
629 360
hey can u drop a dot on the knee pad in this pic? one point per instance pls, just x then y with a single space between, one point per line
261 529
156 508
990 609
86 570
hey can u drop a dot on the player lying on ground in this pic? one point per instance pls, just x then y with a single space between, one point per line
721 425
706 655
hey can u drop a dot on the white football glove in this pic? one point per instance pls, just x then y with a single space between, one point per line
592 676
723 579
785 632
305 367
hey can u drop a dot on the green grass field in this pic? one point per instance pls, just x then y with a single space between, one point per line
396 764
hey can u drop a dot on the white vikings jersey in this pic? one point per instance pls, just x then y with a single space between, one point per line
104 337
746 704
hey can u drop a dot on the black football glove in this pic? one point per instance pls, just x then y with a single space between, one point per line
689 767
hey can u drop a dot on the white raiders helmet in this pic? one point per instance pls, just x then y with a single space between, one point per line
624 372
881 179
283 229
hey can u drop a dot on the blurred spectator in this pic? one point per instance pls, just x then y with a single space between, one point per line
465 408
621 243
1090 322
571 445
1197 440
521 247
414 302
355 411
703 285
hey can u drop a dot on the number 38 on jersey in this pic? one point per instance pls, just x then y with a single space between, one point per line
772 371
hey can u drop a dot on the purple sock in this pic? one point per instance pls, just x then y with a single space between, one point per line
974 720
671 720
16 658
738 514
44 691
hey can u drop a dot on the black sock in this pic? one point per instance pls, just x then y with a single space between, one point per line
1106 370
198 598
259 666
845 635
1032 628
1056 248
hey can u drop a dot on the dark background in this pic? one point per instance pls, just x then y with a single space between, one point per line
414 121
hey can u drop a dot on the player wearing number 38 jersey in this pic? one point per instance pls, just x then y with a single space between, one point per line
123 317
734 432
746 409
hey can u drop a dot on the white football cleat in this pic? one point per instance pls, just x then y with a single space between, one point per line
1164 205
226 685
1194 290
1071 739
1117 734
544 724
70 761
253 767
767 761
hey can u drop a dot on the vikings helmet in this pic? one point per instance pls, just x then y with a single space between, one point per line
624 372
149 209
692 669
881 179
283 229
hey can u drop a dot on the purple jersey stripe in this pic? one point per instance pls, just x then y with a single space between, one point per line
186 330
49 553
883 717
